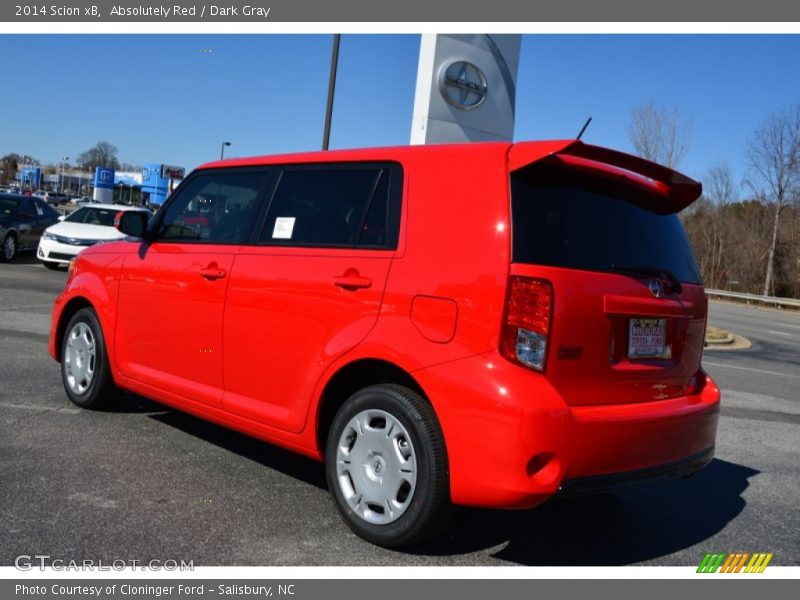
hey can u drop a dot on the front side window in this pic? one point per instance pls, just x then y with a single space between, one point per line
343 206
214 207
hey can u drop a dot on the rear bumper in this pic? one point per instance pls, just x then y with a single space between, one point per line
513 442
610 482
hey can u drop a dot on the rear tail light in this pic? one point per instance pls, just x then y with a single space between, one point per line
526 326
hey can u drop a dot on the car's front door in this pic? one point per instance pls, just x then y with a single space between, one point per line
172 291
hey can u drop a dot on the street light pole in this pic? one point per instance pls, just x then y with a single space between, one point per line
61 179
326 136
222 150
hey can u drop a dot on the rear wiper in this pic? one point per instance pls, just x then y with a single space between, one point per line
675 283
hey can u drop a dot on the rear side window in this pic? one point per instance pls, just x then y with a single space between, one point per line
335 206
567 219
26 208
214 207
44 209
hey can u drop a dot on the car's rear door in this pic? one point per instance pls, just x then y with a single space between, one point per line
30 228
311 289
172 291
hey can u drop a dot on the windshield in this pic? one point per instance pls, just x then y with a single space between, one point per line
564 219
93 216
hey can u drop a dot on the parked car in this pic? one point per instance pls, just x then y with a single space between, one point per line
22 221
82 200
56 198
481 324
85 227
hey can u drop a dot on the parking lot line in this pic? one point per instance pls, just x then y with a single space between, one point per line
723 365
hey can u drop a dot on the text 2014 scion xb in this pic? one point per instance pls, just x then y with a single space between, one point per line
480 324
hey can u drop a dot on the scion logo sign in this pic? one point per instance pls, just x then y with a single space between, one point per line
463 85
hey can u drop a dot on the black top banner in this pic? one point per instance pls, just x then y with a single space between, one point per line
465 11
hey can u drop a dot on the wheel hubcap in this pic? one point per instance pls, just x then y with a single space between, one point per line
376 467
9 247
79 358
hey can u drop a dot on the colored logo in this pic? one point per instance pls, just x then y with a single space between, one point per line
463 85
740 562
106 176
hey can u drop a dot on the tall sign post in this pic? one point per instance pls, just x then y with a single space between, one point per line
466 88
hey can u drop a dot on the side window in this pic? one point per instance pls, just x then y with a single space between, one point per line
43 209
341 206
26 208
217 207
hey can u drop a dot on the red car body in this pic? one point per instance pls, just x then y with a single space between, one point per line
265 339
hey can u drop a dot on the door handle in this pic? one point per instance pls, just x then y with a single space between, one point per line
351 280
212 272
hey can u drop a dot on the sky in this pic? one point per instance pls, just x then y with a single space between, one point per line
176 98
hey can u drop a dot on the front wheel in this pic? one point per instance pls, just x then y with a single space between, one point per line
85 371
386 466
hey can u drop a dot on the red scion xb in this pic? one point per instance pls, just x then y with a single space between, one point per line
478 324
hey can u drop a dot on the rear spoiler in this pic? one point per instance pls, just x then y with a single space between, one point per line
671 191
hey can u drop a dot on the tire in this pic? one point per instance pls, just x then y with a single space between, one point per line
51 265
85 371
386 466
9 249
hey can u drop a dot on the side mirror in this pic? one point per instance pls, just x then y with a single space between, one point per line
62 217
131 222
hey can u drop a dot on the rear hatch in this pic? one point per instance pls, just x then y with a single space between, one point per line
628 307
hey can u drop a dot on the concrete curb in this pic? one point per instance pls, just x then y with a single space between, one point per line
736 342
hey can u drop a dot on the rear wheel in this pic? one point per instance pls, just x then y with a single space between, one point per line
386 466
85 371
9 250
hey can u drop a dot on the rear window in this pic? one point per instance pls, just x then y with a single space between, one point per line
563 218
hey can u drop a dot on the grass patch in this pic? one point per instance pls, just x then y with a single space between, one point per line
716 333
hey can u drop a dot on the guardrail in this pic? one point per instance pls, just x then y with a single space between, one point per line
750 298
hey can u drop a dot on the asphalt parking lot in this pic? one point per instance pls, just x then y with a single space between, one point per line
145 482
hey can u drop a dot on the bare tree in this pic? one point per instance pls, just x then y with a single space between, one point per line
104 154
719 190
9 165
659 134
774 156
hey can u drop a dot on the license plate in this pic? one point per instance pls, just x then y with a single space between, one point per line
646 338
